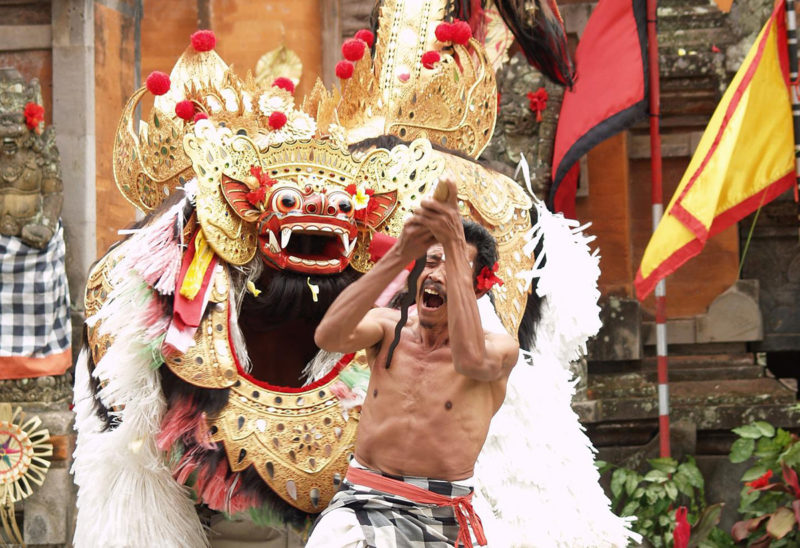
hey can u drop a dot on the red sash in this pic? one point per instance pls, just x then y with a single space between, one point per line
462 506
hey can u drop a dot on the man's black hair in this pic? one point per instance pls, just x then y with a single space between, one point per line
477 235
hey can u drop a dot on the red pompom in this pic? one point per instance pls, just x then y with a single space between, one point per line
366 36
344 69
277 120
353 49
461 32
200 116
284 83
430 58
444 32
204 40
185 110
157 83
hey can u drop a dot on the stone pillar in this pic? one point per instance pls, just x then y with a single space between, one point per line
73 116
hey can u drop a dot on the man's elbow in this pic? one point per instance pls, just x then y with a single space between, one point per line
323 338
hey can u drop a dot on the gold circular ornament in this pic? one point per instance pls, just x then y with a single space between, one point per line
280 61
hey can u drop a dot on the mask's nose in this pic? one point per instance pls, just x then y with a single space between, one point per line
314 204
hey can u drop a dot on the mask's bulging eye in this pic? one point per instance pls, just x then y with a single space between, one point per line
340 203
286 200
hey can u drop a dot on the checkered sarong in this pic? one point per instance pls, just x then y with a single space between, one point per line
392 521
34 316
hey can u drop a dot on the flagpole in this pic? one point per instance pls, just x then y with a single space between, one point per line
791 39
658 210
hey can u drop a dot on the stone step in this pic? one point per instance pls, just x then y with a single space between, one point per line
600 386
706 367
701 401
694 39
686 17
680 4
696 375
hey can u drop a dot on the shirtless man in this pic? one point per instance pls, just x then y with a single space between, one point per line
427 415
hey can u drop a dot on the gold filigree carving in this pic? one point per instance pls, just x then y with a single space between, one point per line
98 288
299 443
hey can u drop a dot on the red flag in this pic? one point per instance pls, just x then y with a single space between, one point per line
609 95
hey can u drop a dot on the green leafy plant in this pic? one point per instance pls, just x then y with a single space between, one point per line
771 508
654 497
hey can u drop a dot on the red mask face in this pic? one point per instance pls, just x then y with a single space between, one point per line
308 230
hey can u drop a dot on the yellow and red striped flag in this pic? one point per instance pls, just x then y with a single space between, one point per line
744 159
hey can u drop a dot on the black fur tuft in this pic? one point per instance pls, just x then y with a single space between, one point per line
541 35
288 297
208 400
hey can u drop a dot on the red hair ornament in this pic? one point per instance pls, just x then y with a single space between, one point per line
487 278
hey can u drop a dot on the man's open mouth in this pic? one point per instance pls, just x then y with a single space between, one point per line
431 298
310 247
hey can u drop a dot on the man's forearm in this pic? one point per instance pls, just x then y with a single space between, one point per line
357 299
463 319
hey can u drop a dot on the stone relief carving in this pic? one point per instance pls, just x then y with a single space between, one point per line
30 179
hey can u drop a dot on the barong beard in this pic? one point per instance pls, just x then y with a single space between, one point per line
289 296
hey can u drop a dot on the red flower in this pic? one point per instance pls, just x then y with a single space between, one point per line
263 178
351 189
430 58
284 83
353 49
185 109
538 102
256 196
683 531
203 40
277 120
367 36
759 482
486 279
157 83
34 115
344 69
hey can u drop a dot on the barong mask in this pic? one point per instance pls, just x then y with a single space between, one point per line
276 178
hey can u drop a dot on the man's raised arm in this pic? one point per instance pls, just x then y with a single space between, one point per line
473 354
350 324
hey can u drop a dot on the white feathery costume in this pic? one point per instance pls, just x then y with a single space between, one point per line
536 471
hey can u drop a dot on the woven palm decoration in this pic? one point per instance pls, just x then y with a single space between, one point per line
24 451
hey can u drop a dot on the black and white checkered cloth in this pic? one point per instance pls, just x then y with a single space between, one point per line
34 298
393 521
